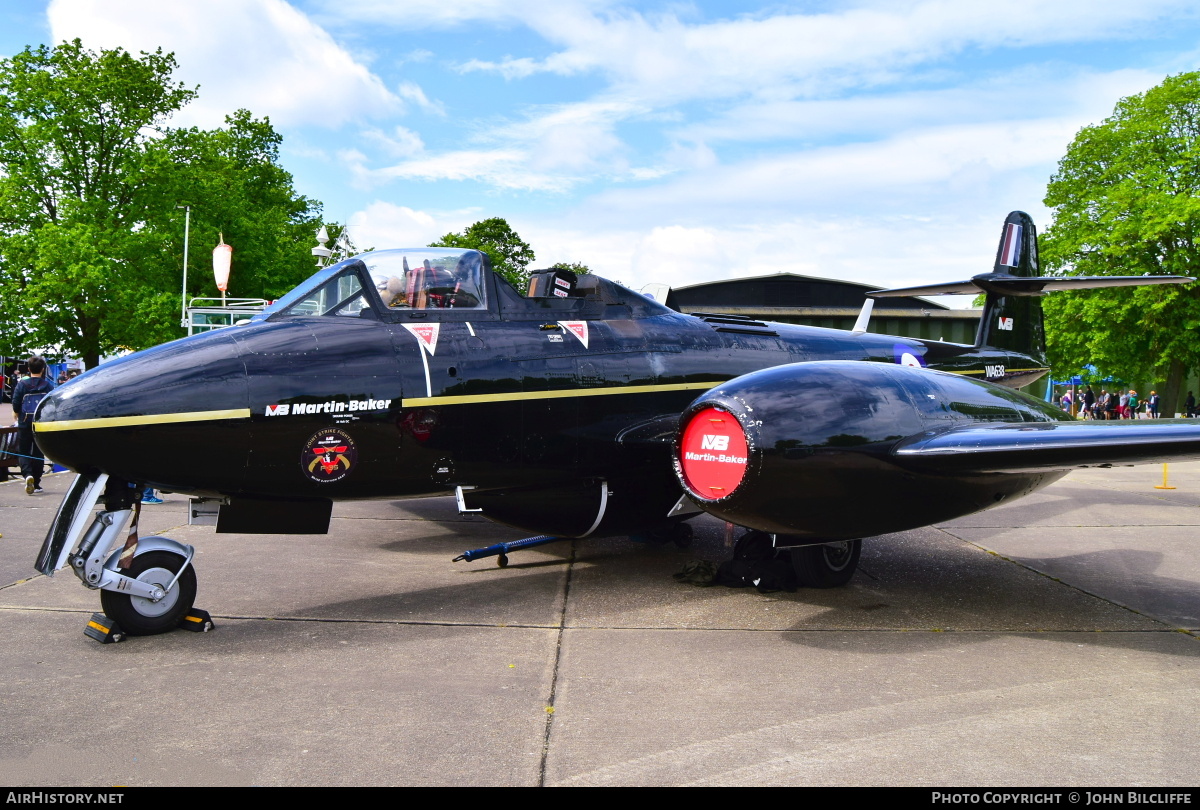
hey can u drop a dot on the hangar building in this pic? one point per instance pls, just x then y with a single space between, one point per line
791 298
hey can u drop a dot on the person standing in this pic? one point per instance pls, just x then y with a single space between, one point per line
1152 405
26 397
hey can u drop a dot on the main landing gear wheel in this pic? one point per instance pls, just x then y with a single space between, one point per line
826 566
139 616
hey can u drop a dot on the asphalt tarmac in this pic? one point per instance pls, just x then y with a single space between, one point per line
1052 641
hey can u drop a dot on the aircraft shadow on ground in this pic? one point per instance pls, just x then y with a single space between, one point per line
1085 619
1059 503
501 601
968 602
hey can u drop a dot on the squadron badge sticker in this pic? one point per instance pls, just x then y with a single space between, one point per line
329 456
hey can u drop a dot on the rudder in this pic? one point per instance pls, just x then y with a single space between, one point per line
1014 322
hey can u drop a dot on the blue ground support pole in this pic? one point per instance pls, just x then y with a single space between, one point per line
502 549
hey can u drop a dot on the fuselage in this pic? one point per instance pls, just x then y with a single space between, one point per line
515 394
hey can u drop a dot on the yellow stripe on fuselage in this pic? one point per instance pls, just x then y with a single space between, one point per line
517 396
148 419
415 402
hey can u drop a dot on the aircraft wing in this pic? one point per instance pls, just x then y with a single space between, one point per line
1050 446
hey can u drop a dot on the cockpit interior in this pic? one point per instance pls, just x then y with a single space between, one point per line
448 284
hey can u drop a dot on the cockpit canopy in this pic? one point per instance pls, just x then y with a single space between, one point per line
429 278
438 278
450 284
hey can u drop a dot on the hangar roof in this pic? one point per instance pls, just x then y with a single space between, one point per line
785 290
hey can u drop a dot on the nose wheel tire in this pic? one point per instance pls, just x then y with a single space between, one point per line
826 566
139 616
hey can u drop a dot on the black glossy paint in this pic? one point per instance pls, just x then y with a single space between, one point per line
822 439
543 462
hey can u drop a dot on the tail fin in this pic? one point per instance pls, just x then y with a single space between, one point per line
1012 318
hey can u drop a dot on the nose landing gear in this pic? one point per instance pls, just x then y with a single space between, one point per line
154 594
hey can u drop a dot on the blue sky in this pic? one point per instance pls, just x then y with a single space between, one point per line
880 142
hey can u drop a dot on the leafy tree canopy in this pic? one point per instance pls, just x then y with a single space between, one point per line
510 255
91 181
578 268
1126 201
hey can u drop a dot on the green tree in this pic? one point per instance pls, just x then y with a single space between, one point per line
578 268
91 241
232 180
510 255
1126 201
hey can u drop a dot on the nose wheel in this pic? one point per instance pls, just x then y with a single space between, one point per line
140 616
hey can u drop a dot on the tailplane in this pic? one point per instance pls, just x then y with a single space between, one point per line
1012 314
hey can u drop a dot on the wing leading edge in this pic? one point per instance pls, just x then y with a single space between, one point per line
1050 446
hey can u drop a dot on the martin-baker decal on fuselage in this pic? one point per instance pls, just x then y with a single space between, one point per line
328 407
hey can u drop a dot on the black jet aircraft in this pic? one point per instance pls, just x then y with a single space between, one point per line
581 409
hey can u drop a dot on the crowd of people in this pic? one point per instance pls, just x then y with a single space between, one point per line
1117 404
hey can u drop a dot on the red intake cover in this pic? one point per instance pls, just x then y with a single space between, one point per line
713 454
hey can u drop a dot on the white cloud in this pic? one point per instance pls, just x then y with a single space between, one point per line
400 142
920 170
263 55
502 168
551 150
421 14
386 225
411 91
662 59
782 72
1020 94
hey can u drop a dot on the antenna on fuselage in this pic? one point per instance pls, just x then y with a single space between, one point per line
864 317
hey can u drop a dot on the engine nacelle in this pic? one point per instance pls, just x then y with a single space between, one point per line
804 450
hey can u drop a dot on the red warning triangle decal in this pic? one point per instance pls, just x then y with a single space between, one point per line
426 334
577 328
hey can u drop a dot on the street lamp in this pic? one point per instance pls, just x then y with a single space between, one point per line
321 252
326 256
187 222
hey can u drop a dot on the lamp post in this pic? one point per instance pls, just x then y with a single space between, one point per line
341 248
187 222
320 252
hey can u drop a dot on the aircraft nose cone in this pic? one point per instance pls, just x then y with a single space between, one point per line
143 416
